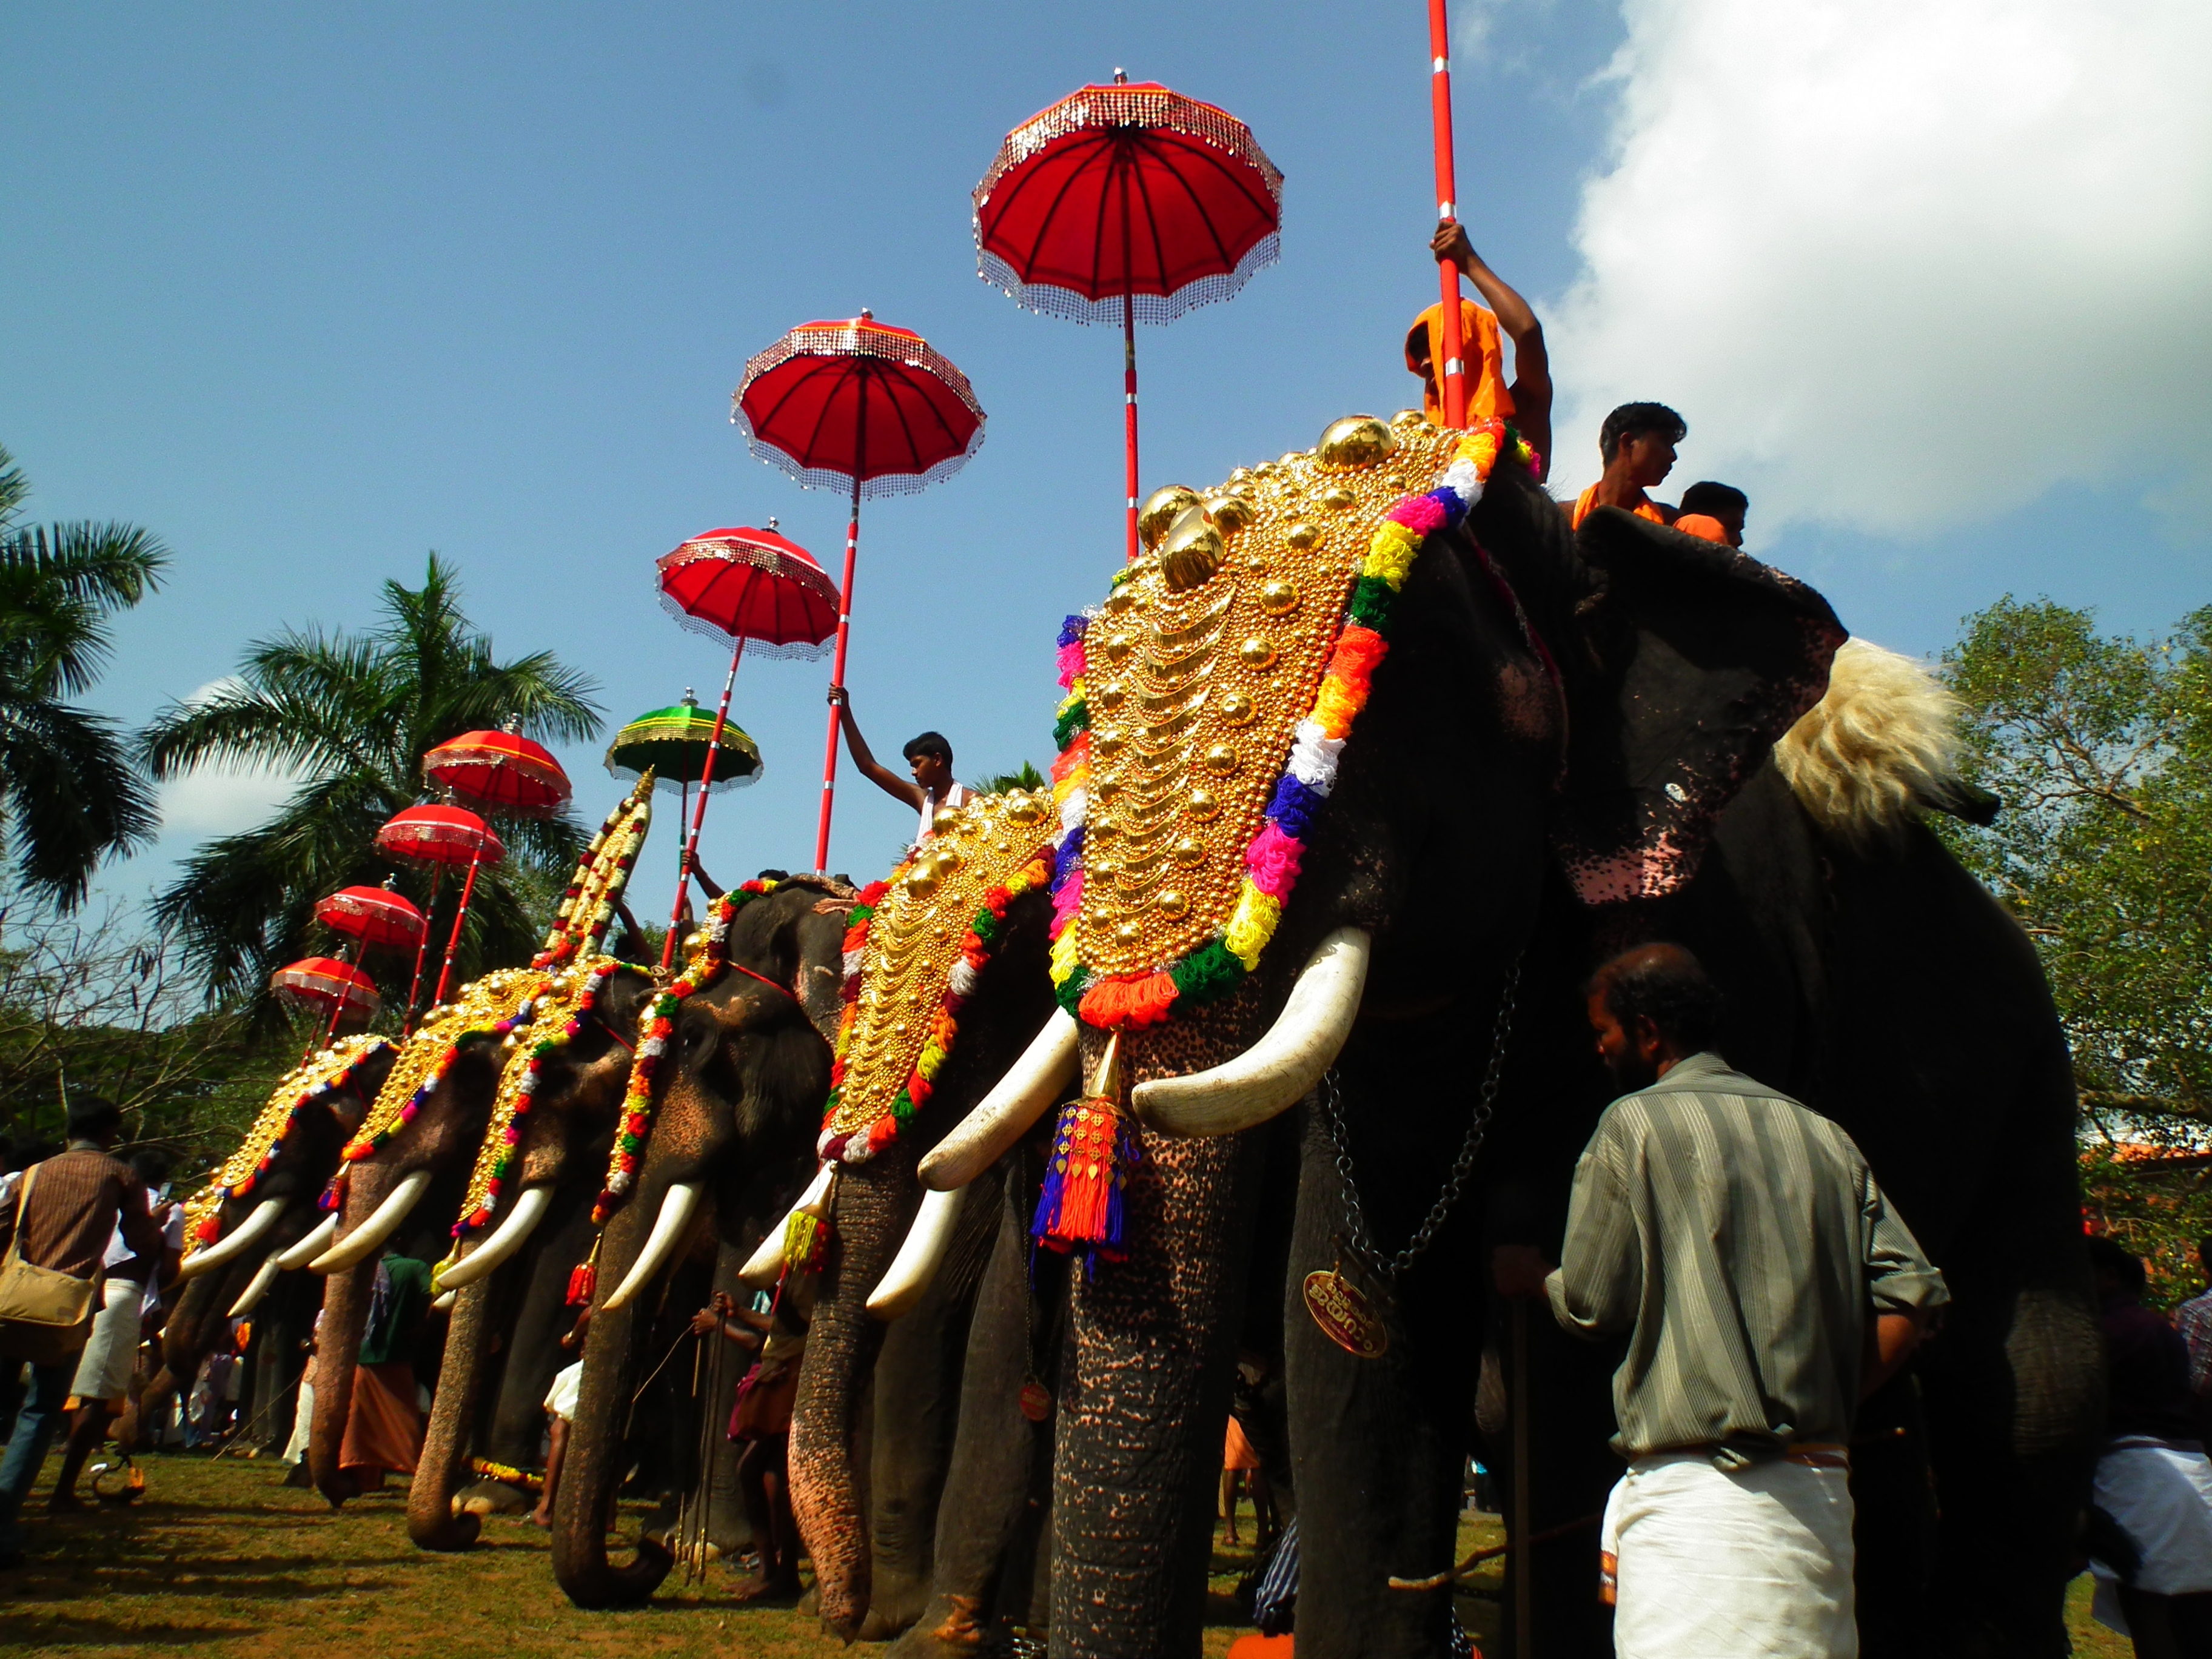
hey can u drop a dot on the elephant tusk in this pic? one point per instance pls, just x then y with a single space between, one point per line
232 1245
300 1254
444 1302
1002 1117
510 1236
1276 1071
364 1241
765 1265
917 1261
677 1207
263 1278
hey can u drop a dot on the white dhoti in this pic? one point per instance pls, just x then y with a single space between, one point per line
303 1422
2161 1496
103 1368
1745 1564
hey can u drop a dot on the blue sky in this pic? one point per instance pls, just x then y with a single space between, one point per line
311 291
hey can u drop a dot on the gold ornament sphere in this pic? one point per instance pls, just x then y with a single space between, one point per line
1191 551
1102 828
1100 870
1278 599
1161 509
1201 804
1258 652
1119 601
945 858
921 880
1188 852
1408 418
1109 696
1356 440
1231 513
1242 476
947 819
1290 457
1108 742
1169 903
1106 790
1116 647
1024 808
1221 760
1128 932
1336 498
1303 536
1239 709
1396 481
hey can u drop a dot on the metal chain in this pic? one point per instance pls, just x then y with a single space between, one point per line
1485 1107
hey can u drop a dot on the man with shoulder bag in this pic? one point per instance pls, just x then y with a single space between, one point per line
56 1235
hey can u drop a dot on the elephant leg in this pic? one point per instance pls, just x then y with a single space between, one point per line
1141 1420
431 1522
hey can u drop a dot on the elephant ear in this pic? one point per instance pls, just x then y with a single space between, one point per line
1693 658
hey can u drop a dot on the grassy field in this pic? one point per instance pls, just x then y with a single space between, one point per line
222 1562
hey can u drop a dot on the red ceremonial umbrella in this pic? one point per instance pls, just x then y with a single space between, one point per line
325 983
1132 200
375 919
741 584
862 406
438 837
499 771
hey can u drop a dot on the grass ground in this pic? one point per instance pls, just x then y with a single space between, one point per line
220 1561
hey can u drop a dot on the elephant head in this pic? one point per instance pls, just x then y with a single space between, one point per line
538 1168
258 1214
407 1161
719 1119
948 984
1259 876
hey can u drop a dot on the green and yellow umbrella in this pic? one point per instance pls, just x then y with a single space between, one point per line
677 742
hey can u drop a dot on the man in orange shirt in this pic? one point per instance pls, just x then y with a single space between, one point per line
1714 511
1637 444
1527 403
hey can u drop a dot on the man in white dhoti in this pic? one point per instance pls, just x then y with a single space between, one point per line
1741 1242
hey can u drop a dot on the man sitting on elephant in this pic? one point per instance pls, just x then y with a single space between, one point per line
1528 402
1636 444
1741 1242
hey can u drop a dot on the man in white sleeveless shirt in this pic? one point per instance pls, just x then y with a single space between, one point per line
929 756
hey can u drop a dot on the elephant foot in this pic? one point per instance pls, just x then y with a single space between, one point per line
961 1631
771 1592
491 1498
299 1475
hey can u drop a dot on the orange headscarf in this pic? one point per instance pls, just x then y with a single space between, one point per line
1486 396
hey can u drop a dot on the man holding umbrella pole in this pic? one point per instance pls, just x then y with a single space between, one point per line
929 757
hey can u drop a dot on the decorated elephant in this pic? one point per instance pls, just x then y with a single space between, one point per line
1559 751
946 985
716 1136
257 1217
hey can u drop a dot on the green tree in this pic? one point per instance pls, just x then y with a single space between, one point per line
72 796
352 715
2100 747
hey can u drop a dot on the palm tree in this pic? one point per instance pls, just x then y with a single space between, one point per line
352 715
71 794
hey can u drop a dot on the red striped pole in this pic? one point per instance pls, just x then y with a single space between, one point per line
1451 373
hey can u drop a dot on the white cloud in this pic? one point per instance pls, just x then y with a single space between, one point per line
221 800
1904 263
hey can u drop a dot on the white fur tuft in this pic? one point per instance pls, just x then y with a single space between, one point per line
1880 747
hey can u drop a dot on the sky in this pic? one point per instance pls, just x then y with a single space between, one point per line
311 291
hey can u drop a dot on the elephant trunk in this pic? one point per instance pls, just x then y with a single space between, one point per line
346 1297
875 1201
431 1522
187 1338
591 1469
1141 1419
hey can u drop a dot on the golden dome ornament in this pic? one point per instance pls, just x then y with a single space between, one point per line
1191 551
1160 511
1357 440
1230 514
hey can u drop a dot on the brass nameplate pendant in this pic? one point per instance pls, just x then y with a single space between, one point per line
1344 1314
1036 1401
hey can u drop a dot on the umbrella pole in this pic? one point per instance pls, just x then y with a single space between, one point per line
421 949
460 915
1451 376
699 813
838 666
331 1032
1129 385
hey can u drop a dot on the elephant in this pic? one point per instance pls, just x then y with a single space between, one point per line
257 1217
873 1567
739 1053
406 1168
1564 751
511 1283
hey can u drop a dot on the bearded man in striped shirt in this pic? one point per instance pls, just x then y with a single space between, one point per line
1766 1286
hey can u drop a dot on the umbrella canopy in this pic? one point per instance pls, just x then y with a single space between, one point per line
1128 188
439 835
499 772
325 983
750 584
860 406
678 744
380 919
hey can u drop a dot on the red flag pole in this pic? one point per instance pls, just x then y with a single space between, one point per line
1129 389
699 813
454 943
1451 381
421 949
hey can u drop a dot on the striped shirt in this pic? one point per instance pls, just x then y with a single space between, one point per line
76 1202
1740 1241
